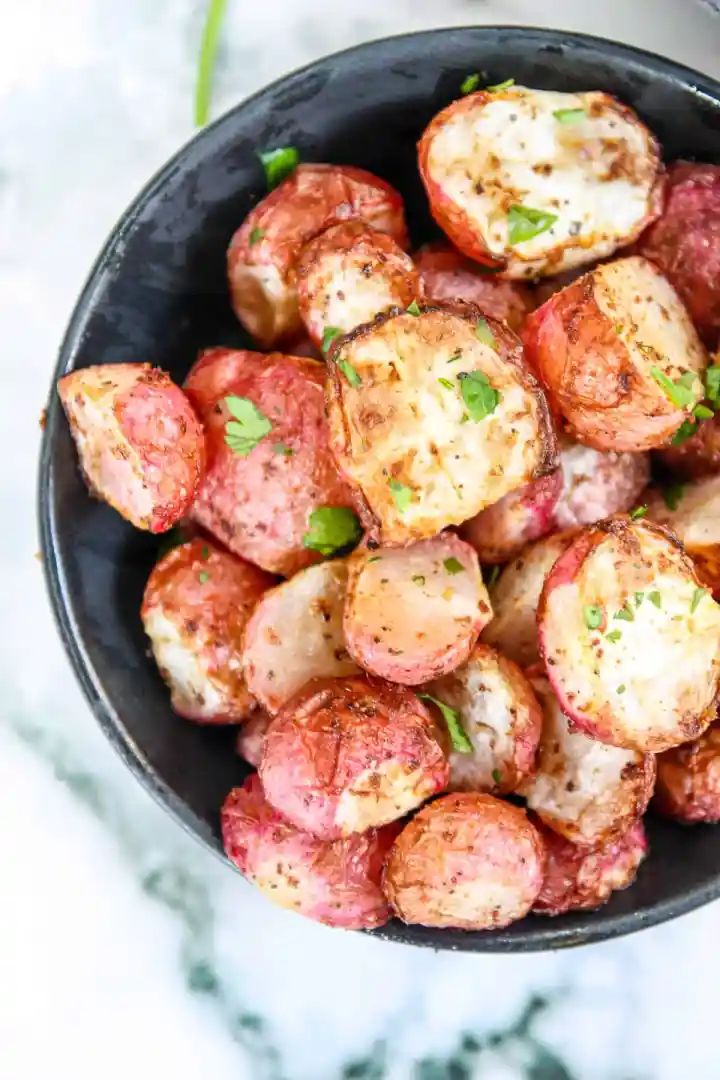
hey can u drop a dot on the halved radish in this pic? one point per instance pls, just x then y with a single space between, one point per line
630 638
414 613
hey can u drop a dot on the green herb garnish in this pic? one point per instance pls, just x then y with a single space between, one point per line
349 372
447 384
638 512
206 60
413 309
639 597
712 384
204 552
203 576
621 688
493 576
696 598
256 235
458 738
701 412
625 613
249 426
470 83
672 494
679 391
684 432
524 223
593 616
655 598
281 448
329 335
497 776
402 495
481 399
613 636
332 528
484 333
453 565
278 164
500 86
569 116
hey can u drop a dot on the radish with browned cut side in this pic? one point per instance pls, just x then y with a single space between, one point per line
264 251
434 416
619 356
582 879
349 274
630 637
140 445
494 722
585 790
295 634
535 182
414 613
515 596
346 755
692 511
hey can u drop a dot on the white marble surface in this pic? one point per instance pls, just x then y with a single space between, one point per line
126 948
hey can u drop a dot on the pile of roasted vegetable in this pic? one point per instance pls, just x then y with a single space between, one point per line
535 396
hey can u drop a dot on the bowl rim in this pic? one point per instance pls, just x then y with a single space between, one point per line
545 934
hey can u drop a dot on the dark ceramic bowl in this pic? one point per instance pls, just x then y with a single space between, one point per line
158 292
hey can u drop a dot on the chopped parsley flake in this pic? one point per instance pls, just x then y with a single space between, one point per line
569 116
453 565
484 334
447 384
470 83
329 335
680 391
249 426
204 552
413 309
613 636
524 223
639 597
281 448
684 432
203 576
701 412
625 613
672 494
638 512
278 164
349 372
655 598
500 86
402 495
593 616
712 384
497 776
256 235
332 528
481 399
697 597
458 738
621 688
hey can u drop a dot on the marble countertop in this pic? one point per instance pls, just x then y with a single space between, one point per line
127 949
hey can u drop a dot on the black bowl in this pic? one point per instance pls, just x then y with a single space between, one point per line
158 292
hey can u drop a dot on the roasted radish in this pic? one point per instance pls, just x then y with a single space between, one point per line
346 755
692 512
535 182
434 416
269 463
620 359
494 720
503 530
296 634
445 274
585 790
348 275
196 604
264 251
414 613
468 861
688 783
140 445
630 638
